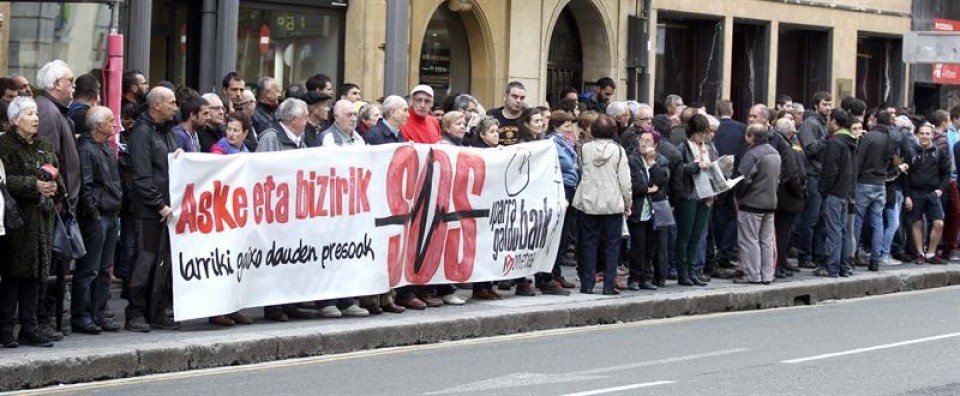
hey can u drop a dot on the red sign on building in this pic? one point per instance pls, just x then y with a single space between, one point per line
946 73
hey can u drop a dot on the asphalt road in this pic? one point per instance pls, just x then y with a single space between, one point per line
906 343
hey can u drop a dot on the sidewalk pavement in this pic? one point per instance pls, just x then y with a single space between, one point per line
83 358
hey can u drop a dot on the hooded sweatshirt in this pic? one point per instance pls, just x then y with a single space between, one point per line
605 182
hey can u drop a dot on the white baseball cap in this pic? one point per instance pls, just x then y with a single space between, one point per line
422 88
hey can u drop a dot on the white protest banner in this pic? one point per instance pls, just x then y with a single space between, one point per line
316 224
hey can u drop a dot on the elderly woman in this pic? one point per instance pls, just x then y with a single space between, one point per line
370 115
486 133
454 128
34 182
603 197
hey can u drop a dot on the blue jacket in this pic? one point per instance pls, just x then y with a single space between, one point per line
568 159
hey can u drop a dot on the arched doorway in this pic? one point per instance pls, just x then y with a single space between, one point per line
565 60
445 55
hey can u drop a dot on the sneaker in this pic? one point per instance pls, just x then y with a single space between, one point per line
137 324
633 286
648 286
7 341
890 261
954 254
355 311
936 260
330 311
452 299
824 272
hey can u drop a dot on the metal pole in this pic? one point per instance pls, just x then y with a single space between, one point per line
208 32
397 64
228 11
645 53
141 14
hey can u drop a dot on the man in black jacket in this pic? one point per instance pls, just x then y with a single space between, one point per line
838 180
813 138
101 197
927 179
268 99
875 164
149 287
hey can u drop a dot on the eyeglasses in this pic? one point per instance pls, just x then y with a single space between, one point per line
423 100
70 80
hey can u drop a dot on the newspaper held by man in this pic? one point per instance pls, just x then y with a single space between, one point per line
714 180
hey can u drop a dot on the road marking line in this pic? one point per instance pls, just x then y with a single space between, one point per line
620 388
873 348
677 359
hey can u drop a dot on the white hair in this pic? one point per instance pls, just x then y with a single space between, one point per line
617 109
48 75
784 126
644 106
634 108
18 105
291 109
95 116
392 103
211 98
713 121
247 95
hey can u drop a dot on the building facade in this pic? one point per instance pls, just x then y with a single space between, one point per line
749 51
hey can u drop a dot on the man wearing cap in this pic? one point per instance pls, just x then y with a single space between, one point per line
422 127
318 104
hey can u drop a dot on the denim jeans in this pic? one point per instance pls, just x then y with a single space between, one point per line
91 279
593 228
835 219
891 214
724 219
871 199
807 231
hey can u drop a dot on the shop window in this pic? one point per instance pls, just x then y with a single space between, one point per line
879 70
289 45
445 55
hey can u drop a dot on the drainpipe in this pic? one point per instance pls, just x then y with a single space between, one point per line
397 64
645 52
208 23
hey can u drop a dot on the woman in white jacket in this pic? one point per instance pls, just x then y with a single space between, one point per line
603 197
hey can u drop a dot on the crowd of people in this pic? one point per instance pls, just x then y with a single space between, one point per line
816 184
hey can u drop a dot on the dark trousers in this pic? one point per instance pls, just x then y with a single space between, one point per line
724 222
18 295
783 227
692 215
593 229
50 292
128 246
566 237
91 278
641 238
149 291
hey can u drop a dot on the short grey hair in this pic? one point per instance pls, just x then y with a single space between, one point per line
48 75
714 122
292 108
392 103
18 105
634 108
211 97
672 99
463 100
617 109
784 126
264 84
247 96
95 116
644 106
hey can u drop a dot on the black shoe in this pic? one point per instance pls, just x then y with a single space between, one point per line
703 277
7 341
165 324
107 324
275 314
137 324
935 260
695 280
806 264
504 285
902 257
648 286
584 290
554 288
300 313
874 266
87 328
611 292
34 338
50 333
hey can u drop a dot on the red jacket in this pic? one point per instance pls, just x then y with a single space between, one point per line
421 129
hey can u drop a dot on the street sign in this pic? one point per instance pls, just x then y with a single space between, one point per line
931 47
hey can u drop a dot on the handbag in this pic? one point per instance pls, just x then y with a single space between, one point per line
67 241
662 214
12 219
